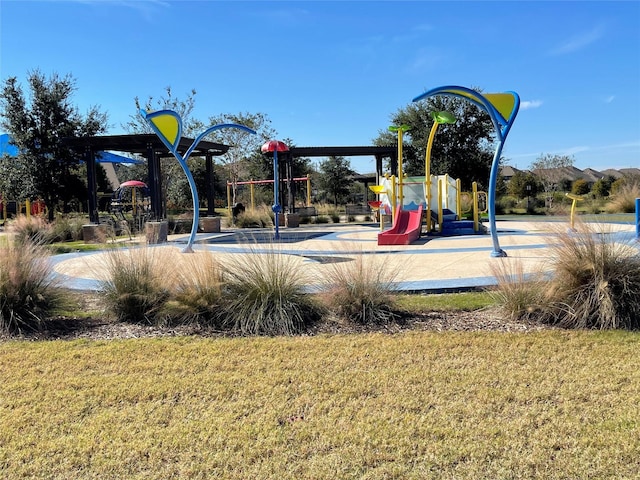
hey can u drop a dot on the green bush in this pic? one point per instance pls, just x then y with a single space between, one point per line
360 291
28 293
266 293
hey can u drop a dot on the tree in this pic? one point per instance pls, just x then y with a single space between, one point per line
37 124
463 150
519 183
548 169
335 178
580 187
244 148
602 187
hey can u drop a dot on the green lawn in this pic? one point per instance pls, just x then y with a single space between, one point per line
416 405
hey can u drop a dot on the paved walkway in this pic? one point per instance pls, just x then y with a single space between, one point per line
431 264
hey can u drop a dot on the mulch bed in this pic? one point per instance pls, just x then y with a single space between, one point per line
100 327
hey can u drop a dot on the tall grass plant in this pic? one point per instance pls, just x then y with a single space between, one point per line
29 294
596 281
361 290
138 284
267 294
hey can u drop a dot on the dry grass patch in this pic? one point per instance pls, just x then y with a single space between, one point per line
138 283
542 405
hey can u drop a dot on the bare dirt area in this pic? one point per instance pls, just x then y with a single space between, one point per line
98 326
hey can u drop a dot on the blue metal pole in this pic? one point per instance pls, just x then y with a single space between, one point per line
276 180
638 219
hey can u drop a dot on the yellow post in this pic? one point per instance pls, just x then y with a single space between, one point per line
458 200
308 192
438 118
400 129
27 208
393 198
476 226
576 199
229 198
427 174
440 216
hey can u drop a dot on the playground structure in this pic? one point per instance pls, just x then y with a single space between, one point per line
28 208
253 183
131 199
502 109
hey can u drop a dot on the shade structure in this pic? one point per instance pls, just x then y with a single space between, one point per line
274 146
133 183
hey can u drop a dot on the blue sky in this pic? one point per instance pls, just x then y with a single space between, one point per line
334 72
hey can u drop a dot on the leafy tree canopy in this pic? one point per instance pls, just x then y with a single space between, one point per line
243 156
335 178
37 122
463 150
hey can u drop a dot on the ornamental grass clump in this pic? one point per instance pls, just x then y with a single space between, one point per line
32 229
361 290
596 281
521 296
267 294
199 290
29 294
137 286
624 200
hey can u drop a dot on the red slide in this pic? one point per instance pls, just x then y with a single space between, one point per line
406 228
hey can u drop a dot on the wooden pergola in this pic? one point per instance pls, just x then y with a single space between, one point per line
150 147
380 153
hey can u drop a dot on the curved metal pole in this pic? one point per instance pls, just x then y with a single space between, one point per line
192 182
182 160
491 202
427 173
502 126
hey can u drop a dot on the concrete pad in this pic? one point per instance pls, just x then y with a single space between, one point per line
430 264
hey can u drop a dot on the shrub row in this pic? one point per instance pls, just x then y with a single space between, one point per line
261 293
594 283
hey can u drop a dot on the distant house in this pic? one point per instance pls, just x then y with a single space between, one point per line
630 172
507 172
